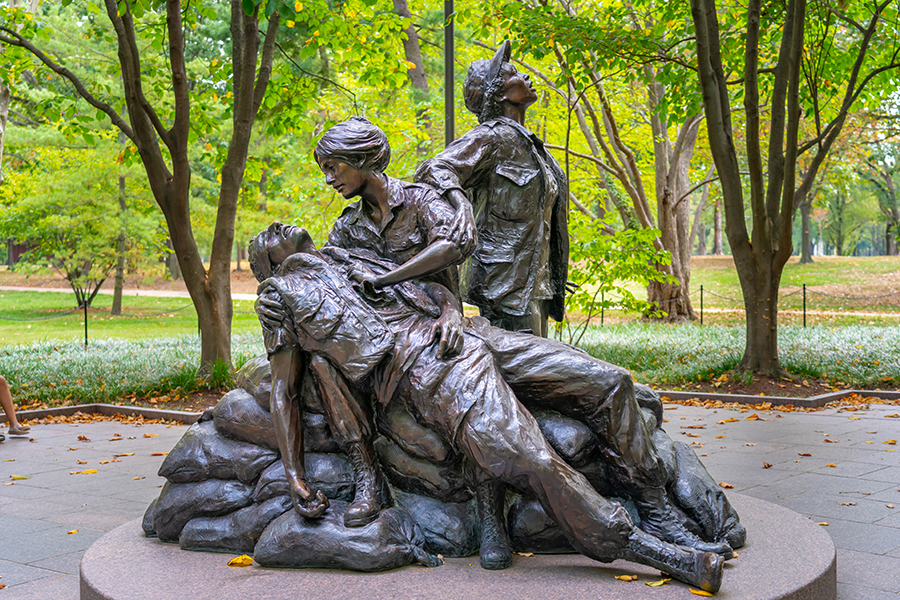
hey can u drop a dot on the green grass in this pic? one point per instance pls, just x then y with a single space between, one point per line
863 356
64 372
27 317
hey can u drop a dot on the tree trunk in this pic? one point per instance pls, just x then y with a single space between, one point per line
413 53
890 239
761 304
701 241
805 246
717 229
120 252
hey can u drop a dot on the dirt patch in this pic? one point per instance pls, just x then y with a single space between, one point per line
193 402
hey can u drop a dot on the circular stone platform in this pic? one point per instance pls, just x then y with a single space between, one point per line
786 556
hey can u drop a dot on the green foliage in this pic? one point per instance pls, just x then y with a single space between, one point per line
603 263
665 356
65 372
65 203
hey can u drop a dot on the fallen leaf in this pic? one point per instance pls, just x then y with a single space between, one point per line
656 583
719 437
889 505
71 448
830 441
83 438
10 483
729 420
9 460
2 585
71 532
149 435
525 553
749 444
699 592
18 477
116 439
158 453
854 418
123 454
627 577
80 462
734 555
695 435
32 440
137 478
892 416
753 417
890 442
804 454
831 465
823 523
89 472
693 426
727 486
241 561
846 503
767 465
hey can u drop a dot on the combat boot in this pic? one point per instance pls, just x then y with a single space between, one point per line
658 520
372 492
496 551
702 569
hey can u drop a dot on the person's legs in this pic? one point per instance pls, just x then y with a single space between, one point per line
502 438
534 321
9 408
554 375
351 424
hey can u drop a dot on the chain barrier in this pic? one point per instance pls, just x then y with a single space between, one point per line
852 297
62 314
148 316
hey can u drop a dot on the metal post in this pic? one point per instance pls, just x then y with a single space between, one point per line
804 305
449 124
84 305
701 305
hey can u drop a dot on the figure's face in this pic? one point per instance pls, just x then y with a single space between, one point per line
288 241
518 89
346 179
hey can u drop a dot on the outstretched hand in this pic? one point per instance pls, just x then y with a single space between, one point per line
448 330
308 503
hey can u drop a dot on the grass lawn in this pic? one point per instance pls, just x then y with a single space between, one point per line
27 317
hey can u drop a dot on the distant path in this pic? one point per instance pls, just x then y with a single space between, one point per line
147 293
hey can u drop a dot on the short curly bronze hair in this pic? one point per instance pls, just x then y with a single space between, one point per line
356 142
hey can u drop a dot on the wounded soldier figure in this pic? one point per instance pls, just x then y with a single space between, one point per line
381 344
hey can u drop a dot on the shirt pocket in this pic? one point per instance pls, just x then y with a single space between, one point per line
515 191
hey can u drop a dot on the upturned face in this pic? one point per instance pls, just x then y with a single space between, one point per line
346 179
288 241
518 89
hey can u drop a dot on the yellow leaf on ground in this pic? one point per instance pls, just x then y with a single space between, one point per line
18 477
753 417
89 472
831 465
890 442
10 483
892 416
241 561
804 454
137 478
525 553
71 532
719 437
123 454
889 505
151 435
626 577
699 592
656 583
823 523
158 453
767 465
727 486
830 441
729 420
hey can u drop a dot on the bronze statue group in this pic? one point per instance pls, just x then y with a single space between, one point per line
374 317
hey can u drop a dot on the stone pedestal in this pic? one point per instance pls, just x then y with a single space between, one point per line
787 556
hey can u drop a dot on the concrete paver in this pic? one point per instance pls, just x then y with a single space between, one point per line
39 559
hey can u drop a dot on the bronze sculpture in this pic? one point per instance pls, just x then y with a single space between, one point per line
373 321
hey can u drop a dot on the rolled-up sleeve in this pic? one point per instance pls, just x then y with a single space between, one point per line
461 164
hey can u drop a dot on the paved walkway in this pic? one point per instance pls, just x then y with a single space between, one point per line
851 483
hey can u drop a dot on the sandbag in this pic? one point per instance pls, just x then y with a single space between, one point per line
649 399
178 503
239 417
418 476
531 530
327 472
234 532
573 440
451 528
147 521
396 422
203 453
256 378
392 540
